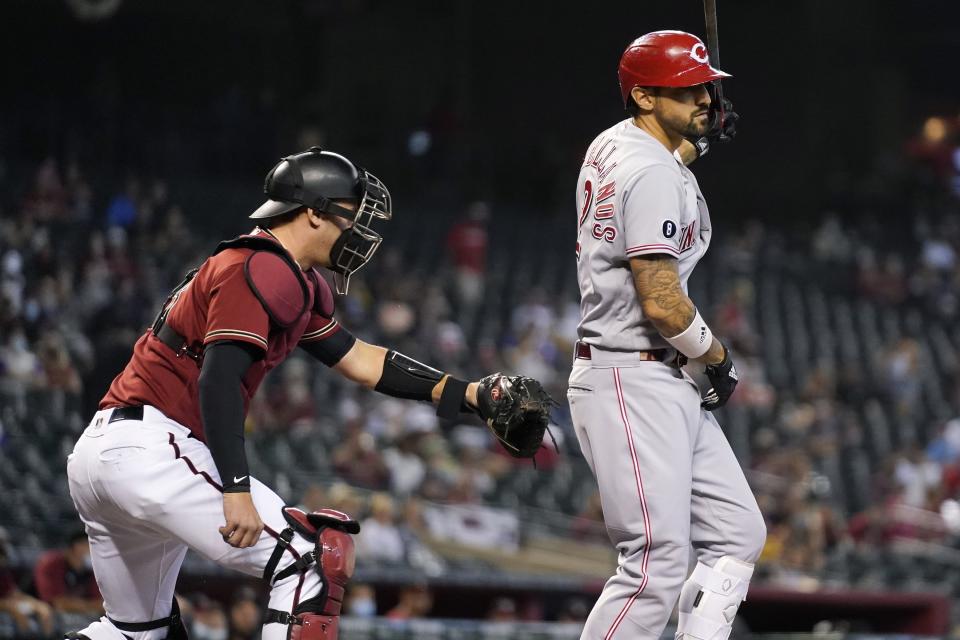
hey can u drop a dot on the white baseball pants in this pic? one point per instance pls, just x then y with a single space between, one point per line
667 478
147 492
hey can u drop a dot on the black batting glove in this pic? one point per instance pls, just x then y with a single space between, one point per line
723 377
724 122
723 127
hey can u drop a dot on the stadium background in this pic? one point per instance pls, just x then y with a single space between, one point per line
134 135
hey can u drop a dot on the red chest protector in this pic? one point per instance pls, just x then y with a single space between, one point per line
286 292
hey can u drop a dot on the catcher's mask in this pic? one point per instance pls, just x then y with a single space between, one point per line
315 179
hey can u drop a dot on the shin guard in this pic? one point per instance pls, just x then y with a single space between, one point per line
333 557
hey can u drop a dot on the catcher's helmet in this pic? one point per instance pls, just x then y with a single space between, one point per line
665 59
315 178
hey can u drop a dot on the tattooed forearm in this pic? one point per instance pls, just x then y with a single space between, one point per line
661 297
663 301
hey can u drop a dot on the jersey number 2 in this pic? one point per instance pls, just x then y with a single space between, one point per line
587 201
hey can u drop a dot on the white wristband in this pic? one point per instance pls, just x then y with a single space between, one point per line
695 340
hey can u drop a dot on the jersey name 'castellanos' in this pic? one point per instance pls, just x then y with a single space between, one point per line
634 198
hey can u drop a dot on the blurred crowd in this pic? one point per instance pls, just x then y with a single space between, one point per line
82 272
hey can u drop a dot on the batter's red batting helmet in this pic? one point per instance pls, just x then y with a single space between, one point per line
665 59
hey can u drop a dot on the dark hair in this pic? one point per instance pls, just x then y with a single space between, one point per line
76 536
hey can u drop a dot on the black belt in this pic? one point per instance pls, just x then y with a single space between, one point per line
670 356
126 413
178 343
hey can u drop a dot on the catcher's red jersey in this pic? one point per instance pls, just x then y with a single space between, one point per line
218 304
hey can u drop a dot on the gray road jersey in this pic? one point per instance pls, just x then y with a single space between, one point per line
633 198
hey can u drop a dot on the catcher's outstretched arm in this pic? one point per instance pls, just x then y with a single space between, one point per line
398 375
514 407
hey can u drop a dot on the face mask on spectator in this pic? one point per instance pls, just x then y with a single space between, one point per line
204 632
87 563
363 608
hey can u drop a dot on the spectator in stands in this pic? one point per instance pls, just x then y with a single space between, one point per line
467 246
413 529
358 460
314 498
20 365
416 601
503 610
916 476
289 405
379 537
475 477
407 468
574 610
209 619
64 578
343 497
245 615
361 600
733 317
58 369
122 210
903 375
48 199
29 614
531 354
588 524
830 241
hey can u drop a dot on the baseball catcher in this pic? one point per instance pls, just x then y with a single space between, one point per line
162 467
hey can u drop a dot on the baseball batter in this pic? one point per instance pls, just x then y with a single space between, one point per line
162 468
667 475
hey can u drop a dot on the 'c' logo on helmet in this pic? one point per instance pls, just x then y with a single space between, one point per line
699 52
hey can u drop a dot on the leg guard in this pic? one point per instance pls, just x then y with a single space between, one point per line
333 558
719 591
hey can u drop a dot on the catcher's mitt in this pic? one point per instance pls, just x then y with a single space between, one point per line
517 410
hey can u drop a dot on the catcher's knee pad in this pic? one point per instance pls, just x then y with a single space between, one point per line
333 557
721 590
306 626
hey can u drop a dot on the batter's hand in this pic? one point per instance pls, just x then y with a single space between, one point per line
723 128
723 377
244 525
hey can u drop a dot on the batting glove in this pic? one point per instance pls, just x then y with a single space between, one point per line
723 377
723 128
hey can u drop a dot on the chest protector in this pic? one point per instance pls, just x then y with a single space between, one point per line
279 283
276 280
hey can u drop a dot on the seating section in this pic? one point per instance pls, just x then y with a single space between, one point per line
809 343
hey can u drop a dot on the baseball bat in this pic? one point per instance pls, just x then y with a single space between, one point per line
713 49
713 38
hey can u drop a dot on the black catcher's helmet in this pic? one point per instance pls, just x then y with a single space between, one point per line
315 178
